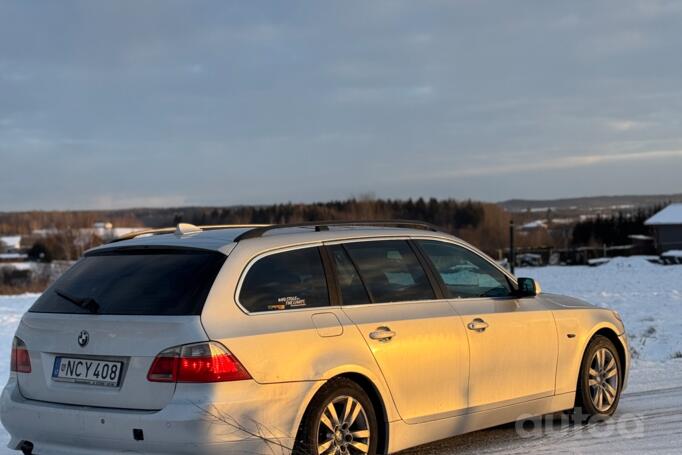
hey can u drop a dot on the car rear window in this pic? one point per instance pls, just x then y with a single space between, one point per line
169 282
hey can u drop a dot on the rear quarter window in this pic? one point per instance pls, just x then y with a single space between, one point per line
170 282
285 281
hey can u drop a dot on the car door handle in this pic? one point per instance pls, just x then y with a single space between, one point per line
477 325
382 334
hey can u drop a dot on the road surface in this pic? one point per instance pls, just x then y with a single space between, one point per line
646 421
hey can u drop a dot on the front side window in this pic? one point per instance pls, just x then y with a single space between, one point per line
285 281
465 273
390 270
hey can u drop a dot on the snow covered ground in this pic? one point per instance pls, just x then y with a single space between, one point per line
649 298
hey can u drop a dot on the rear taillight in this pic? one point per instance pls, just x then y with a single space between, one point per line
201 362
21 362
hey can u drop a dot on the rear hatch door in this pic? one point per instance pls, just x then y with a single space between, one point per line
93 335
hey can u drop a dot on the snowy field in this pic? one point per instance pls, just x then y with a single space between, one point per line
649 298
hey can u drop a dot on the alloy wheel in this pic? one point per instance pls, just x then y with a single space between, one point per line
603 379
343 428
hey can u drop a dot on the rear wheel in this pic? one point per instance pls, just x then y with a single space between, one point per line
600 382
26 448
340 420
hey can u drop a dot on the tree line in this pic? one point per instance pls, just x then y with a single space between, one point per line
483 224
612 230
448 214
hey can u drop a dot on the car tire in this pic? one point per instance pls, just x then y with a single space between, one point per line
340 419
601 379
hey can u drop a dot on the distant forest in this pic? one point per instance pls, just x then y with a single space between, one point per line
484 224
449 214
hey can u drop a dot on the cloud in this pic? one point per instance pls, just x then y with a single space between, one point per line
564 162
617 42
656 8
196 68
383 95
624 125
118 201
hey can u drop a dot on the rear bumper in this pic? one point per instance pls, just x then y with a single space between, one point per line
240 417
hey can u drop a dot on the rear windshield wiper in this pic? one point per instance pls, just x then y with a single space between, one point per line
87 303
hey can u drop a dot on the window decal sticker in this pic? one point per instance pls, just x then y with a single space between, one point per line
292 301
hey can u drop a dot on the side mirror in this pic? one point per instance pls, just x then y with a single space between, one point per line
528 287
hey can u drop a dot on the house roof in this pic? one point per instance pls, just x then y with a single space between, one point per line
11 241
537 224
672 214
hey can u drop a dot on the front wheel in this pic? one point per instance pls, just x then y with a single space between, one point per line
340 420
600 382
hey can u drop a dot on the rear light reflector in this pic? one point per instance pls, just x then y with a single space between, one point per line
21 361
201 362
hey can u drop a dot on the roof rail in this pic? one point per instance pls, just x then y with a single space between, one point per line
325 225
184 228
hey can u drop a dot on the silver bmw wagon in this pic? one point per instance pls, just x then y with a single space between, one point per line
318 338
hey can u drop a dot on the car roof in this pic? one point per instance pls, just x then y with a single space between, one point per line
225 239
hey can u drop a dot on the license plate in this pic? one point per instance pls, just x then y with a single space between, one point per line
87 371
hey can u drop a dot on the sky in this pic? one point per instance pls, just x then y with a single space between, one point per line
167 103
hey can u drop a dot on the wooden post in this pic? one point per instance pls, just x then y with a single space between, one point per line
512 254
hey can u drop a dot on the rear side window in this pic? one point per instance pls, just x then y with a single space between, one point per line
390 270
170 282
352 290
285 281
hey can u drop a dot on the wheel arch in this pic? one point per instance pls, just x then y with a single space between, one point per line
379 407
375 397
610 333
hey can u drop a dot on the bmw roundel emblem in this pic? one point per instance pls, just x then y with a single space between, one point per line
83 338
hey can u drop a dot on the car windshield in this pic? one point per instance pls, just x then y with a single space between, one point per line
137 282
